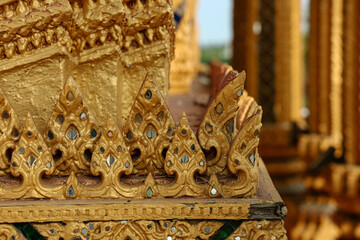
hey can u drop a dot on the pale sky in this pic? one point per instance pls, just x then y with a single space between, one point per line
215 20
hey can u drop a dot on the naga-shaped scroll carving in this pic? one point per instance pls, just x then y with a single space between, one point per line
71 131
10 129
31 160
184 159
243 159
149 129
217 128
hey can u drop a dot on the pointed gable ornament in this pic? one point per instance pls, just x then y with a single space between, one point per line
185 159
72 131
149 129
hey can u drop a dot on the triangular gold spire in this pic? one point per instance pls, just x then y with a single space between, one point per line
111 159
149 129
184 159
11 130
72 131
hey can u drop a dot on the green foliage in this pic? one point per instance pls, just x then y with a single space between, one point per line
212 52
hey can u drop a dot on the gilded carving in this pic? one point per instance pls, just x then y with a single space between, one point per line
31 161
11 130
217 128
149 129
111 160
129 230
243 156
256 230
77 150
8 231
184 159
71 131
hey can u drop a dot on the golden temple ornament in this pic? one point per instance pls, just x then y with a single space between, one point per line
71 131
103 157
184 159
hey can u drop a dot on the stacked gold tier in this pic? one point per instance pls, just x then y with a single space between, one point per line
106 46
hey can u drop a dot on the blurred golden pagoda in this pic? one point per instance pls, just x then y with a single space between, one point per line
185 66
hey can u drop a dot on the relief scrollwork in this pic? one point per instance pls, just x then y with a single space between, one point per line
8 231
31 161
184 159
149 129
217 128
256 230
152 230
10 131
72 131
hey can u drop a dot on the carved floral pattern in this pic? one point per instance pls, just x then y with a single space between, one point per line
111 160
129 230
